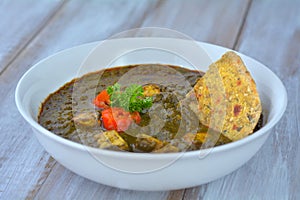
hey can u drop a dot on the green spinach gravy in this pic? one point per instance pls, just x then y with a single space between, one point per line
167 126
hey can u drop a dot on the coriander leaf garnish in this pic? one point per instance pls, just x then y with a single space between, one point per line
131 99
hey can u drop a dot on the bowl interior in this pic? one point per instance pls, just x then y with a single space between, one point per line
51 73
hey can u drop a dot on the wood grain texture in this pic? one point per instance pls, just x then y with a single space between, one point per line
80 187
269 33
64 30
24 165
68 185
20 22
217 22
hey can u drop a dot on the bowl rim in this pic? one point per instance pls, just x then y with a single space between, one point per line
187 154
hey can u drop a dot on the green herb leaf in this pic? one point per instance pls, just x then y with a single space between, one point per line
131 99
113 89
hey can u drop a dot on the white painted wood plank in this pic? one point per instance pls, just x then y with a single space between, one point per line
83 190
20 21
24 166
272 35
68 185
217 22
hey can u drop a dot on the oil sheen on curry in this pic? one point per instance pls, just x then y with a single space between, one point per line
143 108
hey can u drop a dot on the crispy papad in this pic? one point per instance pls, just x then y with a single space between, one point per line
228 100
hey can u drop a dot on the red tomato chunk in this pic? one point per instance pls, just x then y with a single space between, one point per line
102 100
118 119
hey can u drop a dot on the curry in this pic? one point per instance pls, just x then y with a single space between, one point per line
135 108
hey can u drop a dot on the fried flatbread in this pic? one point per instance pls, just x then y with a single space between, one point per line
228 100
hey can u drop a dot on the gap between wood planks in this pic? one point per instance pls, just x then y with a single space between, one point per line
51 161
193 193
158 3
237 40
47 20
50 165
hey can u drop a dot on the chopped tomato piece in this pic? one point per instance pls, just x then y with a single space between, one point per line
123 124
108 120
136 117
102 100
116 119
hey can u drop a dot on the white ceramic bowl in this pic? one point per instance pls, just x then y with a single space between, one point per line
139 171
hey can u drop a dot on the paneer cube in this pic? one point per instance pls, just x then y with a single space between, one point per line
167 149
147 143
150 90
111 140
87 120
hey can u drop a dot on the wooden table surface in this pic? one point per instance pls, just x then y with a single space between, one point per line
267 30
